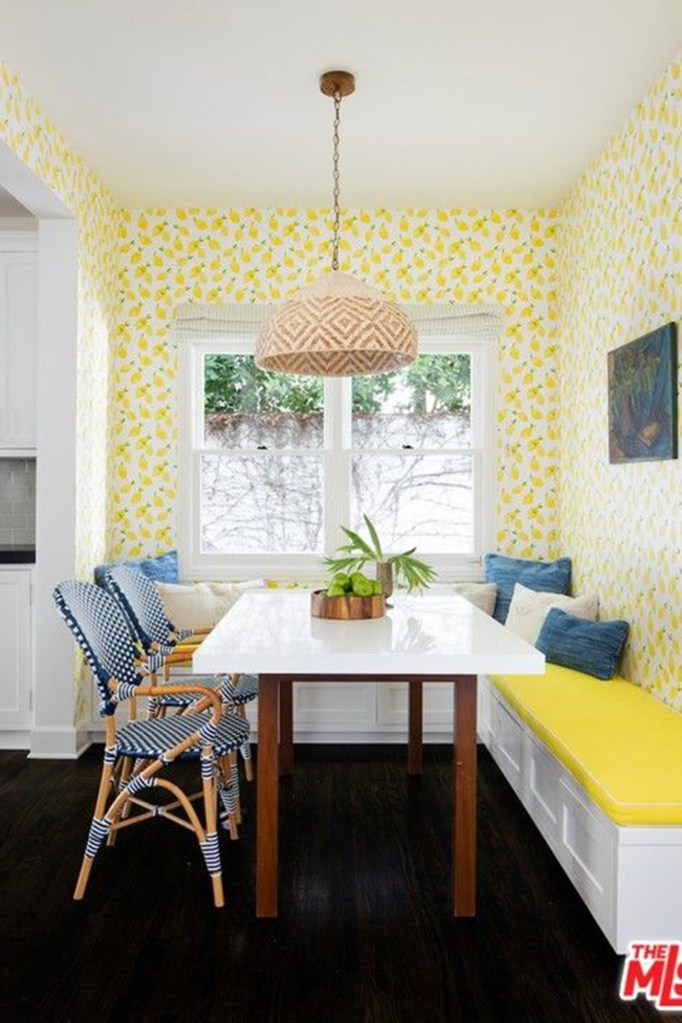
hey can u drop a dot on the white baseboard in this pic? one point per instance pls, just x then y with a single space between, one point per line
367 738
58 743
20 739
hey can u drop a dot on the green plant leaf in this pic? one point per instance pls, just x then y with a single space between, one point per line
403 554
375 538
359 543
355 555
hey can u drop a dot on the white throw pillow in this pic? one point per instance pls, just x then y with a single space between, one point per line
225 595
188 606
528 610
482 595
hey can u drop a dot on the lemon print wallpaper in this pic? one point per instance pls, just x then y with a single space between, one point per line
620 276
170 257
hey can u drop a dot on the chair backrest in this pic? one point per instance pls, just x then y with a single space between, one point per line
140 601
102 633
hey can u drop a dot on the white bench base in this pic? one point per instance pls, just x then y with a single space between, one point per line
628 877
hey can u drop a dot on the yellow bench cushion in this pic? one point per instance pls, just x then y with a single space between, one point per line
192 641
622 744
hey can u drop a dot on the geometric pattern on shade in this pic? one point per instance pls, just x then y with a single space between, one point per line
337 326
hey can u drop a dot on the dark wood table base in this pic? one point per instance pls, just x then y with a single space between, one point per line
276 756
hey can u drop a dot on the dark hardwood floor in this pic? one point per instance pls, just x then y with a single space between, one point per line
365 932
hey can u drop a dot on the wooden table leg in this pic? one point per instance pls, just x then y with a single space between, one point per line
267 810
286 727
414 747
464 798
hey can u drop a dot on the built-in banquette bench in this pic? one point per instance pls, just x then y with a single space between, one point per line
598 766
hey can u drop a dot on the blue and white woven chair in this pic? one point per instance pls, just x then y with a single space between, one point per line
143 749
161 641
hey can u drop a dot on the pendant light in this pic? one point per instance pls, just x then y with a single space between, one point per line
338 326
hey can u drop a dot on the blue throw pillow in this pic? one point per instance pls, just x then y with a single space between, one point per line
162 569
591 647
545 576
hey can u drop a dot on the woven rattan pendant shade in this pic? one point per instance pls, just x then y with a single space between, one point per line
337 327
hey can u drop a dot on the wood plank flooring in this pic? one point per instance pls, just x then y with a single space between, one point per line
365 932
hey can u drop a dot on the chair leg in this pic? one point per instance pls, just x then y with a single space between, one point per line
234 779
232 798
211 849
245 748
123 780
245 751
229 794
99 827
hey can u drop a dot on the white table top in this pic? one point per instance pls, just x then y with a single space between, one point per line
273 632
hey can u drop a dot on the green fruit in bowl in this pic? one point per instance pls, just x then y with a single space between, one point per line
336 591
341 579
377 588
363 587
358 577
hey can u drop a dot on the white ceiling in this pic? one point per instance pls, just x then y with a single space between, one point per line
458 102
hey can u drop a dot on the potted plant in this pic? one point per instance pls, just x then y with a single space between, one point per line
358 552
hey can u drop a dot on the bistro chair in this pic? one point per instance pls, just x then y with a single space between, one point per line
161 641
136 754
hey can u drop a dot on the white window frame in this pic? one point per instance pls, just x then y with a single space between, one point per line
337 455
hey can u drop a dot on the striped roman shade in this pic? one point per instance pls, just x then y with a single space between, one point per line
241 321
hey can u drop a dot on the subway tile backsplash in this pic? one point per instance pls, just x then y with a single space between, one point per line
18 501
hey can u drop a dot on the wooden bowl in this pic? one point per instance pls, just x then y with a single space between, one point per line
347 608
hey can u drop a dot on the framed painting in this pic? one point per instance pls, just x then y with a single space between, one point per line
643 398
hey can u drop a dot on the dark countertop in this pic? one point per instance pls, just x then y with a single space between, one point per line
17 554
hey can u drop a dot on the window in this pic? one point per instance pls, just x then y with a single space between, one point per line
273 464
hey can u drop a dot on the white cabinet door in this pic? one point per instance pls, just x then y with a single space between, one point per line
334 706
18 348
438 704
15 642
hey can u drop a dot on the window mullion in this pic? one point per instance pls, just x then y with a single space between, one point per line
337 461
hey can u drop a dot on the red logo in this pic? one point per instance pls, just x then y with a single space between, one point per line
653 969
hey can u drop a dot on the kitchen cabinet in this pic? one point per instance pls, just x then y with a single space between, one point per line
18 342
15 641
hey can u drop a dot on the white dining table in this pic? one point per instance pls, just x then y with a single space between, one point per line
431 637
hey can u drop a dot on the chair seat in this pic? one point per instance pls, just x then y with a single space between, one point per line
150 739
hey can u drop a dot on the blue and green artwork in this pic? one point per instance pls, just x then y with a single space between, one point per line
643 398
